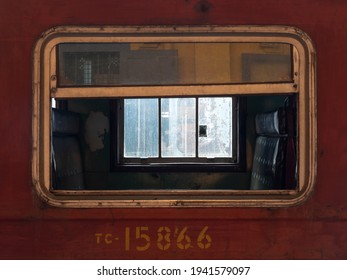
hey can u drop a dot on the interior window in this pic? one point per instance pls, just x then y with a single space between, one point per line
176 130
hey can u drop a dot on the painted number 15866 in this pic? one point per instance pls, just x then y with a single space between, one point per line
140 239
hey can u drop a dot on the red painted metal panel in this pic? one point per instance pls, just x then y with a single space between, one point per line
256 239
30 229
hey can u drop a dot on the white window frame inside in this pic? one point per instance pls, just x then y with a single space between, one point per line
45 88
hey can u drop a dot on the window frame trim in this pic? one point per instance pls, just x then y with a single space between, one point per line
45 88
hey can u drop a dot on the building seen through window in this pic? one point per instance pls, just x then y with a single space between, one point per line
178 128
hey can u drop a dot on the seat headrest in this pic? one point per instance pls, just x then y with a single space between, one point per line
272 123
65 122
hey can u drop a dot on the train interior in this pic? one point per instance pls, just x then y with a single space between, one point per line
234 142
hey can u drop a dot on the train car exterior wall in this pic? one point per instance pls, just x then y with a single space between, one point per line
30 229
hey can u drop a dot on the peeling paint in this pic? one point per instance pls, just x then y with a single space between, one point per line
96 126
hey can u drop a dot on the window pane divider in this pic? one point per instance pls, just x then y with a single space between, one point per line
159 128
173 91
196 127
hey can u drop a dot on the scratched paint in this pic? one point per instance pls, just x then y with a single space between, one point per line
163 239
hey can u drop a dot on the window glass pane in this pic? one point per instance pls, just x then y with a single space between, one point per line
141 128
215 127
178 127
82 64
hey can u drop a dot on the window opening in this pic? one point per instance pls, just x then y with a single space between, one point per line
171 114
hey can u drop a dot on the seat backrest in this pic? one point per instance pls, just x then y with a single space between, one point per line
67 165
274 160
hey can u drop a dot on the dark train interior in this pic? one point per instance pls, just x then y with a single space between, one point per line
190 142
